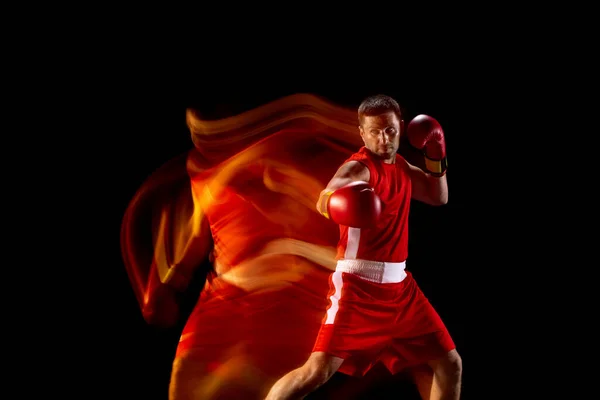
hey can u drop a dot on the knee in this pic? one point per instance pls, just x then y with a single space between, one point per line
449 366
453 363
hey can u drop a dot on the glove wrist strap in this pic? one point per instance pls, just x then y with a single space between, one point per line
324 204
436 168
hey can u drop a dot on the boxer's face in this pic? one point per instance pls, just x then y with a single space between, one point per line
381 134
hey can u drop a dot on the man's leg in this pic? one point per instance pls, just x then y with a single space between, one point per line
445 382
300 382
422 376
428 339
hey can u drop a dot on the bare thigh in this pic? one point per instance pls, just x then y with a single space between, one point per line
450 365
378 383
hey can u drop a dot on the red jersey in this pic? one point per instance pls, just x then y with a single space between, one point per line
388 240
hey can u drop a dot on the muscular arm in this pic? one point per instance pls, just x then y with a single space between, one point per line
427 188
349 172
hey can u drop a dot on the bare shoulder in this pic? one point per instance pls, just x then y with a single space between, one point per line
348 172
354 170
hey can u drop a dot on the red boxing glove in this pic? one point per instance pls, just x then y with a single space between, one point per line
355 205
426 134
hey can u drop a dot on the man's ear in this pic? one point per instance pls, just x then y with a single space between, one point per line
362 134
401 126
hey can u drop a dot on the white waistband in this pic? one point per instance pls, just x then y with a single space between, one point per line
374 271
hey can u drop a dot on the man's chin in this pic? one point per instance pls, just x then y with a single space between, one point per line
385 153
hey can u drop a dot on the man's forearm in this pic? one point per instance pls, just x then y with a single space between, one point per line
438 189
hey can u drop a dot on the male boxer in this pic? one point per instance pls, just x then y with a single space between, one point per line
376 312
245 195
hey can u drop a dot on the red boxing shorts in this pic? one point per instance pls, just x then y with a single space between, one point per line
368 321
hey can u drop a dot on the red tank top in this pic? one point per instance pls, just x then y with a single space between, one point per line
388 240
